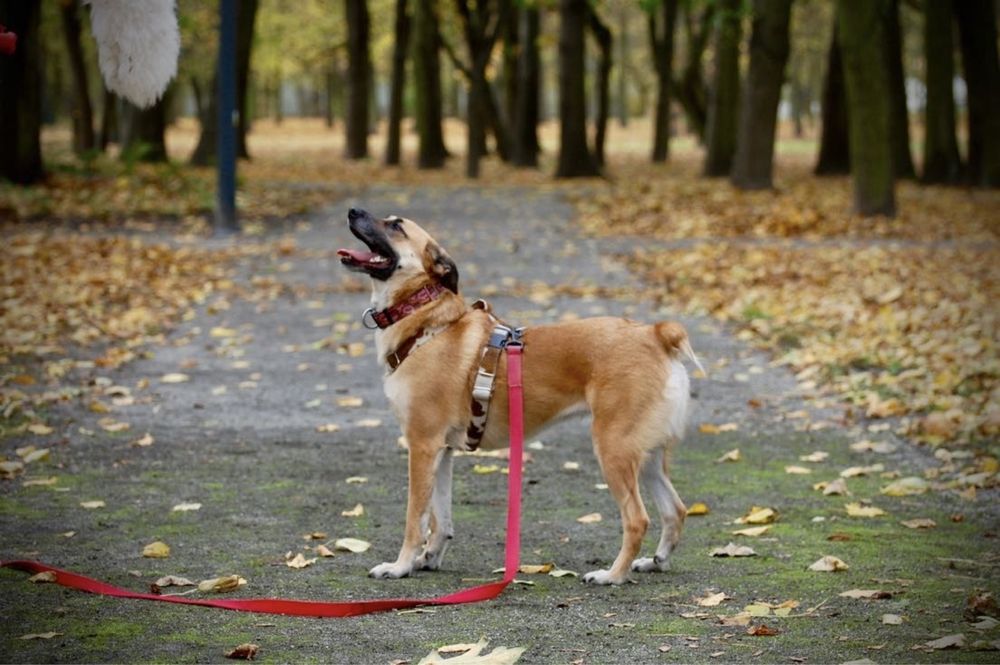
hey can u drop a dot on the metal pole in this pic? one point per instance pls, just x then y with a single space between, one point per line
226 222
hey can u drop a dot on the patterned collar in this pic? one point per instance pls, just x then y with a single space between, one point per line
393 313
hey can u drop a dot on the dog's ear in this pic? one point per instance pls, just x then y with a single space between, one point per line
441 265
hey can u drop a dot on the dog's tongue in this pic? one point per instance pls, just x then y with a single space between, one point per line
356 255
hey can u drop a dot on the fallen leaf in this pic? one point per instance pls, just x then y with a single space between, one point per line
753 531
919 523
222 332
732 550
221 584
758 515
732 456
368 422
144 441
712 600
174 377
328 428
323 550
836 487
536 569
559 572
357 511
43 577
352 545
92 505
11 468
571 466
906 487
156 550
882 447
185 507
865 594
173 580
589 518
797 470
762 630
245 651
112 425
698 509
956 641
299 561
828 564
39 636
41 429
858 510
350 402
853 471
892 619
483 469
40 482
475 656
356 480
817 456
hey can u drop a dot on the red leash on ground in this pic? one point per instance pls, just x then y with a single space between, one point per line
315 608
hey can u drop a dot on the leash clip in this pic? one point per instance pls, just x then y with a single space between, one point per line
369 314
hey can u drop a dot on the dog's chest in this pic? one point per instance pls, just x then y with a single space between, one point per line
399 394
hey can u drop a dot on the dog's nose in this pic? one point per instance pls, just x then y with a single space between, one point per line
356 213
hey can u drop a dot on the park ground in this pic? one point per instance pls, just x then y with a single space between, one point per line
851 389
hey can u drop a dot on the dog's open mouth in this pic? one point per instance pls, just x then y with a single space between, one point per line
380 260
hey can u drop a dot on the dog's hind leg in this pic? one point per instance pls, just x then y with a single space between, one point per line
672 511
424 457
441 530
620 460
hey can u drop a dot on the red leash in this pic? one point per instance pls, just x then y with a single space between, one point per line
314 608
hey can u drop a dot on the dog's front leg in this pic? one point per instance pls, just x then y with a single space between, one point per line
423 459
441 527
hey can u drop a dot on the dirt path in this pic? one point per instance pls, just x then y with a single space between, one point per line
241 438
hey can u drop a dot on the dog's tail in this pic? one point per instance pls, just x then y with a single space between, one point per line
674 339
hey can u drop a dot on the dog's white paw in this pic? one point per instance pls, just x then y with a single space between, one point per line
385 571
602 578
651 565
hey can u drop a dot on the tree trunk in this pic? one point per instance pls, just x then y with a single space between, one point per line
604 40
109 120
978 36
143 131
752 164
427 85
398 83
942 162
358 65
899 115
690 90
246 15
863 33
720 133
574 156
834 146
204 152
525 141
623 65
84 139
509 81
661 38
21 108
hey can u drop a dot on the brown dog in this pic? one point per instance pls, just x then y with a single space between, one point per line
626 374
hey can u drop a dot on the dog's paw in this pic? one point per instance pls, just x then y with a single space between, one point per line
603 578
385 571
651 565
427 562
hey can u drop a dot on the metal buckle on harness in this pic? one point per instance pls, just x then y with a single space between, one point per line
369 314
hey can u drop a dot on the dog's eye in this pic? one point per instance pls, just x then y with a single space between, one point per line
396 225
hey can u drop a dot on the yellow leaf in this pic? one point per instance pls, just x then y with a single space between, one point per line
323 550
352 545
350 402
36 455
91 505
853 471
589 518
732 456
174 377
712 600
698 509
759 515
144 441
43 577
797 470
733 550
40 429
299 561
906 487
357 511
753 531
857 510
221 584
185 507
156 550
369 422
219 332
483 469
328 427
536 569
828 564
919 523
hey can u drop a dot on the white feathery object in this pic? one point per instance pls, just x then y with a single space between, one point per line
138 43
